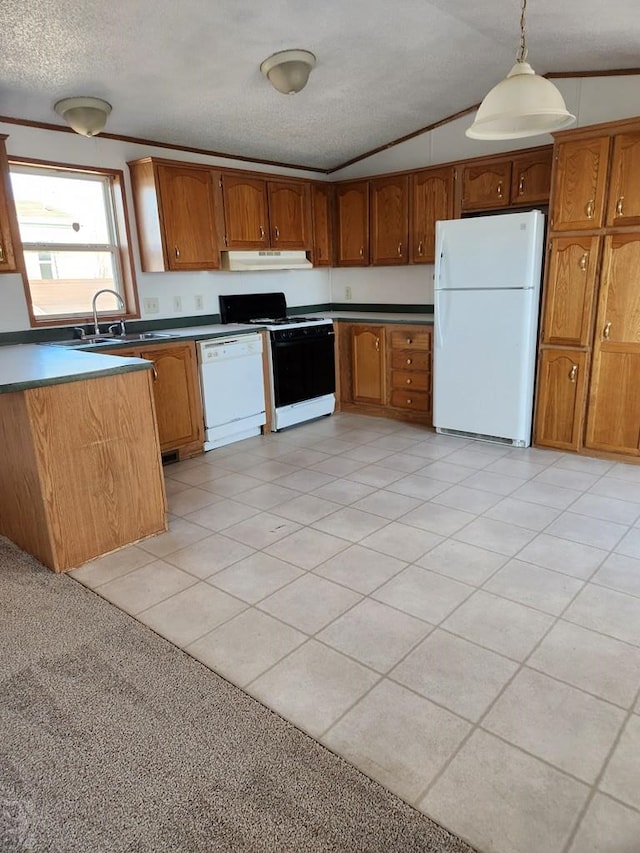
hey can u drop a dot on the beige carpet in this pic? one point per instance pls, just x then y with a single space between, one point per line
114 740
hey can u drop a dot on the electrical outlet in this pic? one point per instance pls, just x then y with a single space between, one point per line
151 305
347 293
199 302
177 304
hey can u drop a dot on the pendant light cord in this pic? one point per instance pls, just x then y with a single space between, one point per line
522 52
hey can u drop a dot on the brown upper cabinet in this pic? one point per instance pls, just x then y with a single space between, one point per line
432 194
322 218
260 213
486 185
389 205
8 221
579 186
175 216
531 178
624 188
352 224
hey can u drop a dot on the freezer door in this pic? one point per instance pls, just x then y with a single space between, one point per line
484 362
490 252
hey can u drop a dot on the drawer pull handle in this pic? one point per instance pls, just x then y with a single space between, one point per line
607 331
2 257
499 189
261 233
409 340
177 250
573 373
583 261
589 208
420 249
619 206
155 373
408 381
409 361
409 401
521 185
399 249
276 231
362 251
377 344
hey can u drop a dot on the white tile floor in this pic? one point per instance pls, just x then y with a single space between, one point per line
460 620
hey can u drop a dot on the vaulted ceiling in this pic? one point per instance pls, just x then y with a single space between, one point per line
187 73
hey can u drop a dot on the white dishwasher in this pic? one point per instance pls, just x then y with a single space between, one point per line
232 383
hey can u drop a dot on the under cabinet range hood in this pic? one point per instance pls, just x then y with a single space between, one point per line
266 259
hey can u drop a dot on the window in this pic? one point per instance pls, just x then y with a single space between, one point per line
72 225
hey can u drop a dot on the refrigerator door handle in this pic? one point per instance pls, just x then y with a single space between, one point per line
439 258
439 320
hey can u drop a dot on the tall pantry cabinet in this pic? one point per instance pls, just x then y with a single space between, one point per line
588 397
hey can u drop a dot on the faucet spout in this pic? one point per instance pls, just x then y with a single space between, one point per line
96 326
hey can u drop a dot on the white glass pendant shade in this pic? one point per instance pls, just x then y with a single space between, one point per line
87 116
521 105
288 70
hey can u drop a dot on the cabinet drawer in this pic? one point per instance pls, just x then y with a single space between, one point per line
410 379
419 401
409 360
420 340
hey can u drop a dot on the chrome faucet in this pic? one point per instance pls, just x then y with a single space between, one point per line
96 327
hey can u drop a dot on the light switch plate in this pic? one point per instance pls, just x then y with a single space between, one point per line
177 304
199 302
151 305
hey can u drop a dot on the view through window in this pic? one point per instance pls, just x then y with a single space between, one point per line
70 240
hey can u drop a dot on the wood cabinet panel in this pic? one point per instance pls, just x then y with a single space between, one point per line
402 360
245 212
411 337
9 236
368 364
624 187
322 219
531 178
188 218
417 401
579 187
432 195
389 200
569 291
486 185
561 392
289 214
420 380
352 224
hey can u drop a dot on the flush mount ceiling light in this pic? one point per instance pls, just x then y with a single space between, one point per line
288 70
86 116
522 104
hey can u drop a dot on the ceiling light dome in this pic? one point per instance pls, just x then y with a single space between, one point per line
87 116
522 104
288 70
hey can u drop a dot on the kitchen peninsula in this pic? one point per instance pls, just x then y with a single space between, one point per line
81 472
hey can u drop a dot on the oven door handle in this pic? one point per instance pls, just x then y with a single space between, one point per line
303 341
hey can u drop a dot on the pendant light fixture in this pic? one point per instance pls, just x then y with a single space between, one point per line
522 104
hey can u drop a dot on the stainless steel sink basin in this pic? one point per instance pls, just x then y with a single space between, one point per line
144 336
77 343
104 340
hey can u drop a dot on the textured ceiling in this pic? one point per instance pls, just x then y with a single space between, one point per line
187 72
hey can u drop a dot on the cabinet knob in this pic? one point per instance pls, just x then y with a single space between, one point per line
583 261
606 332
409 361
420 249
619 204
499 188
589 208
409 340
177 251
409 401
408 381
521 185
573 373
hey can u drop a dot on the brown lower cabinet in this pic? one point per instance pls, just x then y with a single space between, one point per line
562 382
176 391
386 370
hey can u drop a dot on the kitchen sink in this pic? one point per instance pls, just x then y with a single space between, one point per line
93 340
77 343
143 336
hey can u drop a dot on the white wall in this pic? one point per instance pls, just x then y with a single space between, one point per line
301 287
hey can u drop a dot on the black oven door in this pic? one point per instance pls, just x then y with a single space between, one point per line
303 367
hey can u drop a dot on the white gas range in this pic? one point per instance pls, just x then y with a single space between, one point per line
302 357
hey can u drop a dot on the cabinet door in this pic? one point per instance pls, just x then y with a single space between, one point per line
561 390
321 205
352 213
8 221
531 178
177 394
389 202
569 291
368 364
431 200
245 212
486 185
188 218
624 188
289 215
579 184
613 420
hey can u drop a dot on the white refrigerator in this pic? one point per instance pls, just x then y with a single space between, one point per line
486 305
